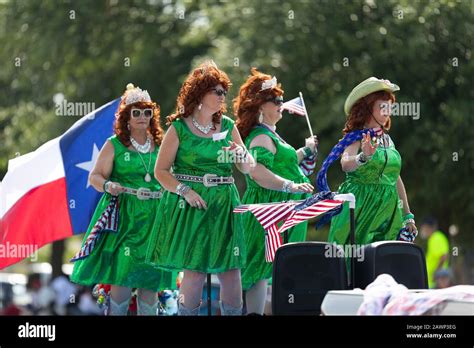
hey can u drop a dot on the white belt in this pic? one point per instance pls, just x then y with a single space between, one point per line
207 180
144 193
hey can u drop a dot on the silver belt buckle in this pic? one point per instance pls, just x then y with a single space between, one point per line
143 193
206 180
157 194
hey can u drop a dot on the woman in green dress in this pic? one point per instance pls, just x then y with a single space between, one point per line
198 231
372 168
116 254
277 176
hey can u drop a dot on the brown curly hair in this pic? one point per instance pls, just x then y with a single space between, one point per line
250 99
361 111
199 82
122 116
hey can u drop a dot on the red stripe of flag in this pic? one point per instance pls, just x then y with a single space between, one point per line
28 222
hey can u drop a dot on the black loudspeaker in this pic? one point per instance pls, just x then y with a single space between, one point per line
302 275
404 261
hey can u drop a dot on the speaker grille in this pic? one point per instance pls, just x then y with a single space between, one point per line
403 263
302 275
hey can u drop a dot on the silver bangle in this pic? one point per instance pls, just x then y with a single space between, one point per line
182 189
362 159
409 221
287 186
242 156
107 185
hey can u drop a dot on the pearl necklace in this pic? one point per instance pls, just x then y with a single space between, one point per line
145 148
203 129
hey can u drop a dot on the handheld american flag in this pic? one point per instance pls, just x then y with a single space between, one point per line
289 214
297 106
294 106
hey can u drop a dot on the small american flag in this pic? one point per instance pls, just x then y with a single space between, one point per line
290 213
294 106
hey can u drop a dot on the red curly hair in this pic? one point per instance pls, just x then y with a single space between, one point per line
122 116
361 111
250 99
199 82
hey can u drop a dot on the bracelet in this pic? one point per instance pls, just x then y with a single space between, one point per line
104 186
307 151
408 216
243 156
409 221
287 186
362 159
182 189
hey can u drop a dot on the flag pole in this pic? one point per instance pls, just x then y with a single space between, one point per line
306 115
349 197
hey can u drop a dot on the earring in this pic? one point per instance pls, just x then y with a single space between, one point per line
260 117
128 126
200 106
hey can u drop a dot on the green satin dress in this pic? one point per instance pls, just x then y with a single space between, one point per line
378 214
209 241
283 163
118 258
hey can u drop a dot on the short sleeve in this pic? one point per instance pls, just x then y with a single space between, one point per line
178 126
227 123
117 144
263 156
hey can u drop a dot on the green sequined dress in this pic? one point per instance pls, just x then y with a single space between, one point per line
118 258
378 213
209 241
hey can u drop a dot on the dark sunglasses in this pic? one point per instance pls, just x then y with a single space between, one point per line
138 112
277 100
219 92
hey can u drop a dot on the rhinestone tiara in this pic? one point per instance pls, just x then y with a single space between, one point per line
135 94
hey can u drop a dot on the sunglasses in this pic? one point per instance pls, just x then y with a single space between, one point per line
219 92
136 113
277 100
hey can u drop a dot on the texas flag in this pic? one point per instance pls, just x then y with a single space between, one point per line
45 195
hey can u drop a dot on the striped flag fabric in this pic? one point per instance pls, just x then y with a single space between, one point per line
306 211
272 242
108 221
308 164
288 214
268 215
294 106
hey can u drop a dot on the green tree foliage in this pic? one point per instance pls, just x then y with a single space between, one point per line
322 48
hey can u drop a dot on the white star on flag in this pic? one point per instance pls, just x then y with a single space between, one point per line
89 164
